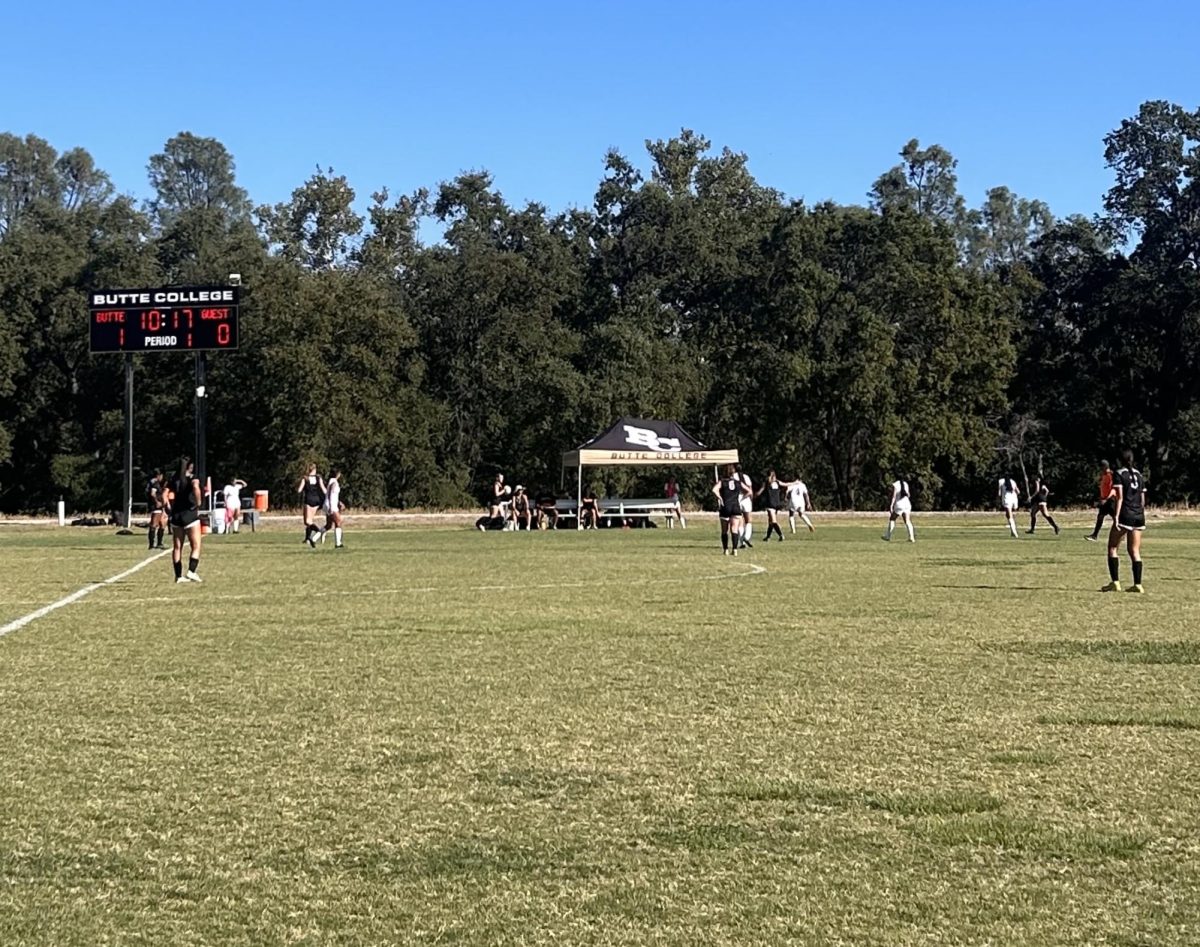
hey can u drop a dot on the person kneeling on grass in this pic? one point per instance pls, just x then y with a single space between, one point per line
184 517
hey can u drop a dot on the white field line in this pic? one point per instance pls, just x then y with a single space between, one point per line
77 595
433 589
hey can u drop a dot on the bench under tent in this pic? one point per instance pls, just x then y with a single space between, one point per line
641 442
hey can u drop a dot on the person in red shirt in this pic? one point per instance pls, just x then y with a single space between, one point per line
1108 501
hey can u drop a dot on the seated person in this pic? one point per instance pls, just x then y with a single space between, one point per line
547 512
521 511
589 511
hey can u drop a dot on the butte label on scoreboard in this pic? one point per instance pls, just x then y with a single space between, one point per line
177 319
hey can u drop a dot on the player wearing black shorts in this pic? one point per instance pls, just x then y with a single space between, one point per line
729 491
312 489
776 498
157 508
184 517
1038 503
1129 492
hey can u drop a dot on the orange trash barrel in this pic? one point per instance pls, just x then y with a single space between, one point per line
260 500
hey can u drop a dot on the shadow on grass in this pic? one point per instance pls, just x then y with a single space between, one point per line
1165 721
1120 652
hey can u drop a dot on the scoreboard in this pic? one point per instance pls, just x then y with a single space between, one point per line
179 319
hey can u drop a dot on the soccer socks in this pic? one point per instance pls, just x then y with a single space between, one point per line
1114 568
807 521
778 531
725 540
682 522
337 535
748 532
1053 525
1099 522
911 537
178 564
193 564
1137 571
150 538
891 526
158 538
1012 527
236 524
792 522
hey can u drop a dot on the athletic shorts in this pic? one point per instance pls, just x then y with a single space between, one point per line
1010 502
903 505
795 507
729 512
184 519
1128 523
747 506
1109 506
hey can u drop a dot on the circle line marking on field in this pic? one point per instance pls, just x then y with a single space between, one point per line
76 595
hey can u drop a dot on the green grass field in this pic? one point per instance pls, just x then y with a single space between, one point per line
441 736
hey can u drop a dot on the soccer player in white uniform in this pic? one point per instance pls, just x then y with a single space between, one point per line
747 505
333 507
1010 501
900 507
233 504
799 503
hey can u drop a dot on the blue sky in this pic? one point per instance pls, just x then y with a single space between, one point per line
407 95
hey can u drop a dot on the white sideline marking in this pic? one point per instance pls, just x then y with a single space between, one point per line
77 595
431 589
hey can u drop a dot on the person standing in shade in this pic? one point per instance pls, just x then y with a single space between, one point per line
730 491
312 491
774 503
233 504
155 503
1010 501
900 507
1129 493
184 517
333 507
1039 503
799 503
672 493
1108 503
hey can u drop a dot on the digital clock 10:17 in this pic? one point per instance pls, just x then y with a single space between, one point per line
204 326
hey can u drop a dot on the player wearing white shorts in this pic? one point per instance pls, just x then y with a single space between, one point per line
747 505
1010 501
233 504
900 507
333 507
799 502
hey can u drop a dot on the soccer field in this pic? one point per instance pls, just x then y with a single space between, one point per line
442 736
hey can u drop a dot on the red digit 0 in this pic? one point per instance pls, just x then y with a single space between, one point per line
223 333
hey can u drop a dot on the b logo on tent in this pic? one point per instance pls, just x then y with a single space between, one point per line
644 437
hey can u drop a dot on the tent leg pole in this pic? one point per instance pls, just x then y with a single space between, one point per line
579 496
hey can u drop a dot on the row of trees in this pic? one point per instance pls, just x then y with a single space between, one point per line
912 334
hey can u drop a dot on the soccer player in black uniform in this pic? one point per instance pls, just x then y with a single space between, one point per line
1129 492
312 489
184 509
729 491
1038 501
776 493
158 513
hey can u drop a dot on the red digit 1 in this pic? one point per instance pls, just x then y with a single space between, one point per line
121 338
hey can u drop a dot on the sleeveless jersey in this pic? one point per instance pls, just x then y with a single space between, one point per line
185 501
312 492
731 492
333 494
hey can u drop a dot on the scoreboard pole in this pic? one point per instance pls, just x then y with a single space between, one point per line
127 509
201 419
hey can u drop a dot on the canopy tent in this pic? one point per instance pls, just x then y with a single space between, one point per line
645 442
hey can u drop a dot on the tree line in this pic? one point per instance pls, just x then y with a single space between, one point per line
912 334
